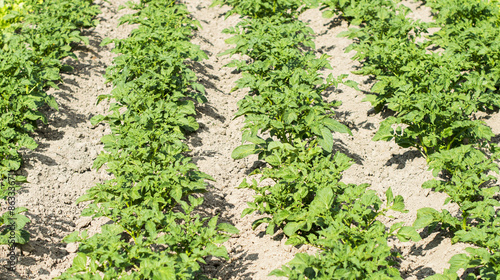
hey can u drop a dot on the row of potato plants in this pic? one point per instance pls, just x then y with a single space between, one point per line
34 38
436 85
289 124
155 230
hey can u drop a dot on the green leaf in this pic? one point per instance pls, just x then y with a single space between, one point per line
106 41
292 227
21 179
396 227
326 140
336 126
389 196
323 200
176 194
372 99
227 228
447 275
399 204
167 273
278 273
72 237
260 221
51 101
459 261
247 211
28 142
80 262
385 131
328 14
97 119
406 233
351 84
244 151
425 217
270 230
273 160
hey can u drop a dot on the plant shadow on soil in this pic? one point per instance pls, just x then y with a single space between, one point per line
402 159
340 146
194 139
67 117
57 121
255 165
216 205
496 139
208 110
438 236
420 272
335 22
325 49
38 246
200 68
238 265
83 53
7 274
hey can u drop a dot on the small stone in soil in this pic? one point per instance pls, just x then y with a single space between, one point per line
72 247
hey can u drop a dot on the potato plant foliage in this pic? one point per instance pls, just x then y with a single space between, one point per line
435 85
11 12
289 124
156 232
35 36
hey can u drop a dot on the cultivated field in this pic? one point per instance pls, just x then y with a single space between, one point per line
59 170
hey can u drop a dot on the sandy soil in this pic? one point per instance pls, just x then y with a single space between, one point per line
59 170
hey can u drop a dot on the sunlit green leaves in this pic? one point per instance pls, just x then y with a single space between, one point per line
155 190
306 198
433 93
264 8
285 86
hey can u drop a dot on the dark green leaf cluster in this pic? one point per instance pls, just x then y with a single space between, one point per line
31 49
305 197
286 89
156 233
358 11
435 87
171 245
266 8
353 243
468 185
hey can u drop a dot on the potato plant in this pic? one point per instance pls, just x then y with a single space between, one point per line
156 232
